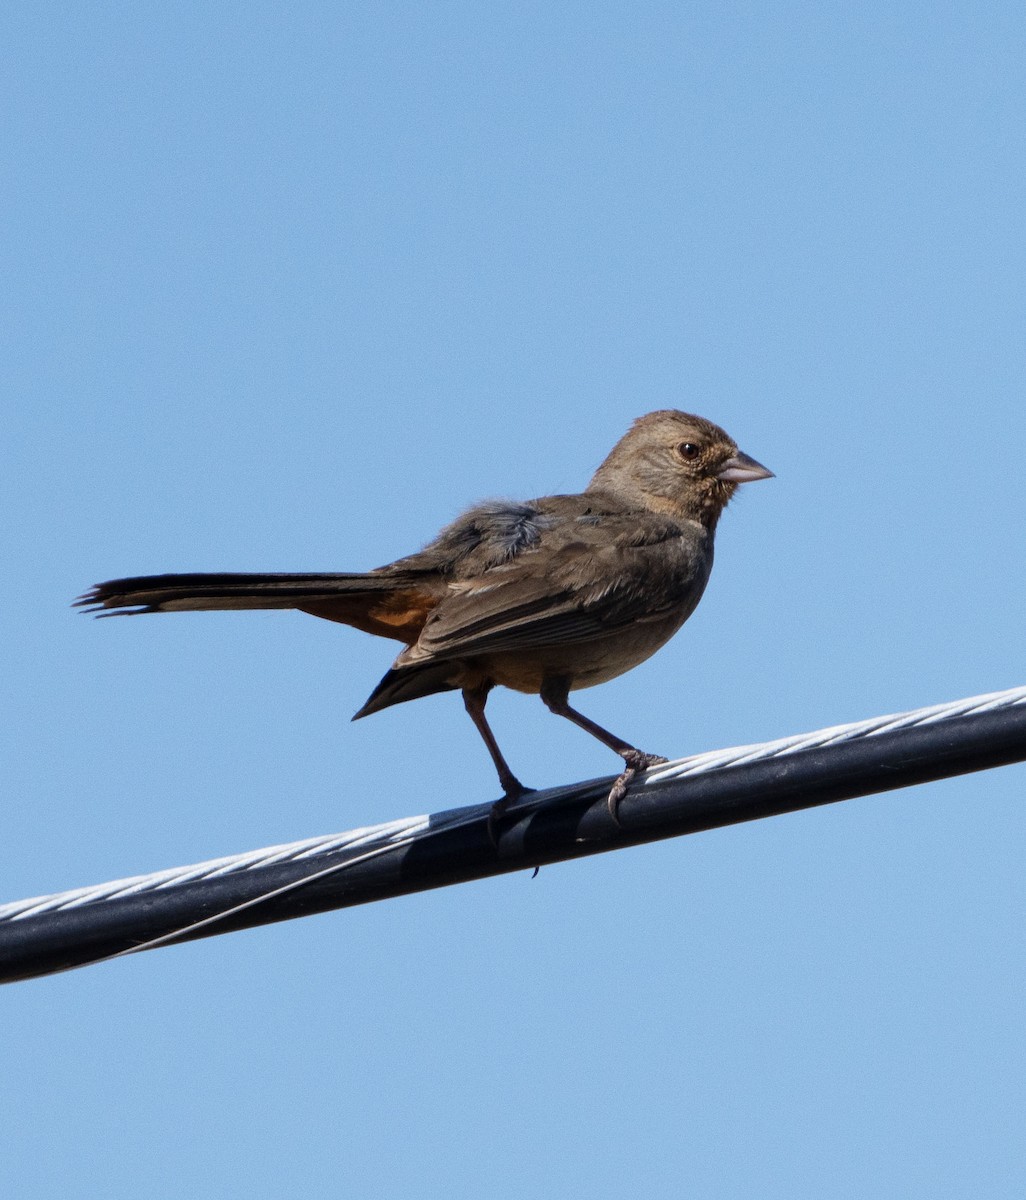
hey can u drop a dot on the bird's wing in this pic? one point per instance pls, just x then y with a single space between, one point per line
583 580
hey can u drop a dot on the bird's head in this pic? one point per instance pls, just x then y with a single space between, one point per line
679 464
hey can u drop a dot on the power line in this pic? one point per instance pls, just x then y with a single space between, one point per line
87 925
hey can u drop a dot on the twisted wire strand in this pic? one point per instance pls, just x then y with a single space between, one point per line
370 836
408 829
712 760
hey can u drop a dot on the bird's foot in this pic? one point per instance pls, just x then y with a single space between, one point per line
636 760
513 790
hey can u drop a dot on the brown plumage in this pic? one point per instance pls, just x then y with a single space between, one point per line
546 597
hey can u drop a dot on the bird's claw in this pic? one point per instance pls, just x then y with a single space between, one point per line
636 760
502 806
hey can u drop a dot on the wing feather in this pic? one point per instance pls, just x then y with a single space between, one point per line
590 585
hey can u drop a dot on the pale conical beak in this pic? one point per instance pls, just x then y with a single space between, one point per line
742 469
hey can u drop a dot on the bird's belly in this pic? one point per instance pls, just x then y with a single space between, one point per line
583 663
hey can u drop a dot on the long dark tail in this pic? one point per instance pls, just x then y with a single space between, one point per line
198 593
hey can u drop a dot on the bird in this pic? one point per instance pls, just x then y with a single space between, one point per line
545 597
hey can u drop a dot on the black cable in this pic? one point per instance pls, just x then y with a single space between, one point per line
456 845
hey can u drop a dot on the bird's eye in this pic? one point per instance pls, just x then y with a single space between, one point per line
687 450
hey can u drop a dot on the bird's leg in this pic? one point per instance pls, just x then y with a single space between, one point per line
474 700
554 693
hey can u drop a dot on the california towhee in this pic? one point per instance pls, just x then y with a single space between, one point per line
544 597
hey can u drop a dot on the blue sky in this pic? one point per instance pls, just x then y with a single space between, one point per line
289 287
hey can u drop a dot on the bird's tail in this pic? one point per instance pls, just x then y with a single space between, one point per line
385 604
199 593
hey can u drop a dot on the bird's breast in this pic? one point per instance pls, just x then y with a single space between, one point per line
584 663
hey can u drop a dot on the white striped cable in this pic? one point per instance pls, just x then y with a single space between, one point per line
712 760
408 829
370 836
